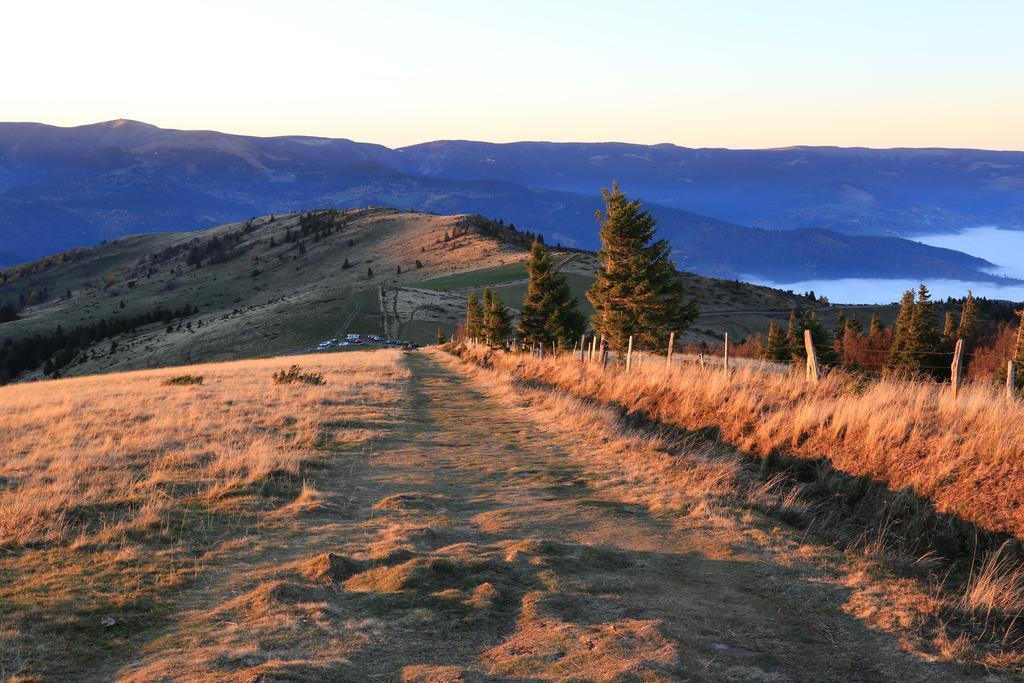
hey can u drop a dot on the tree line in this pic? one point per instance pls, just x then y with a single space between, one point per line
916 347
60 348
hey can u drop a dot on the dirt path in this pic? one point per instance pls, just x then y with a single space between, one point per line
473 544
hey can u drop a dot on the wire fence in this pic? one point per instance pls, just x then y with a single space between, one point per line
947 366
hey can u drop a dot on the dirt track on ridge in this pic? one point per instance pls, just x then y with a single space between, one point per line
472 543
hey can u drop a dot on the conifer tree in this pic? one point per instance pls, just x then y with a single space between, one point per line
927 337
1018 353
550 312
795 335
441 339
775 349
853 324
823 344
636 291
968 327
474 317
917 342
875 327
496 324
949 328
901 359
839 330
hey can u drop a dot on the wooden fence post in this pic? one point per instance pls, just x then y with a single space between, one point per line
629 353
671 345
957 368
725 354
813 371
583 346
1010 379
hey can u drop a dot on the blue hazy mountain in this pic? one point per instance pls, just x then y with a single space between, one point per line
830 212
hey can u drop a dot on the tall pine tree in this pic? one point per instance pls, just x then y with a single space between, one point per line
550 312
795 336
636 291
917 342
968 327
496 324
875 327
928 337
775 349
949 329
474 317
901 359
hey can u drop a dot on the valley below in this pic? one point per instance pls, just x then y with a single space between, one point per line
1001 247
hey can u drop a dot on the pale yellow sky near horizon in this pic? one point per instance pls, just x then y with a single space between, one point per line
742 74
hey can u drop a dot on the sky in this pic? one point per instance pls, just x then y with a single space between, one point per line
715 73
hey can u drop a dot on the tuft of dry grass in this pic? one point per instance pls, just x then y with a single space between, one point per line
117 490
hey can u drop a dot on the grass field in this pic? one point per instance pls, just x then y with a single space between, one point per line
477 279
892 470
418 518
119 494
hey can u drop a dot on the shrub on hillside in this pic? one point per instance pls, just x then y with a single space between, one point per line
183 379
295 374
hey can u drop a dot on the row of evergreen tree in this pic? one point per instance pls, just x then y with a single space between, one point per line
914 347
60 348
636 292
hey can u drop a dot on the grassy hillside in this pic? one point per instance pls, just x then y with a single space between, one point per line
414 520
897 471
270 286
260 287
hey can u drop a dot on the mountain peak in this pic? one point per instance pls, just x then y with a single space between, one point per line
125 123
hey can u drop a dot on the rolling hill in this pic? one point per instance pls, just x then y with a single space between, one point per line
280 284
68 187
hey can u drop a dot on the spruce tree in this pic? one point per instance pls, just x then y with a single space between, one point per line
795 336
927 337
839 330
550 312
637 291
496 324
1016 354
968 327
775 349
900 359
474 317
875 327
949 328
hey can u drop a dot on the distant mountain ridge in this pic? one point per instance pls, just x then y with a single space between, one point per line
64 187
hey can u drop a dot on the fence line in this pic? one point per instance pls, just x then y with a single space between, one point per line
594 350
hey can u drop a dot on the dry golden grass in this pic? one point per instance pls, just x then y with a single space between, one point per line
966 458
117 490
884 469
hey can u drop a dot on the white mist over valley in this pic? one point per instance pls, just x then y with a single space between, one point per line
1004 248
